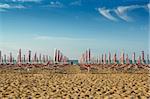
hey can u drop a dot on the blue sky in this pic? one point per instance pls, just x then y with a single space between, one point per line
74 25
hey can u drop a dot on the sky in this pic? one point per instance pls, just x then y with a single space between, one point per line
74 26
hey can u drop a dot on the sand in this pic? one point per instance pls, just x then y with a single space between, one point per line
72 83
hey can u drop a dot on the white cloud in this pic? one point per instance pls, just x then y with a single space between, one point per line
106 14
19 6
121 12
148 5
76 3
4 6
56 4
7 6
25 0
57 38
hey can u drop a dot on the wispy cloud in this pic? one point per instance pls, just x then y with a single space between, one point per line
76 3
4 6
148 5
106 13
24 0
58 38
8 6
56 4
120 11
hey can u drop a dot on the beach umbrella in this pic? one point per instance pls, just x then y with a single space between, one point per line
35 58
0 57
143 59
5 59
10 60
139 60
122 58
29 56
24 58
133 58
105 58
127 59
115 58
19 56
148 62
58 56
102 59
89 56
55 56
40 59
109 58
86 56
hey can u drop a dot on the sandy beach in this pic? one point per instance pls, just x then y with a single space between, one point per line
72 82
